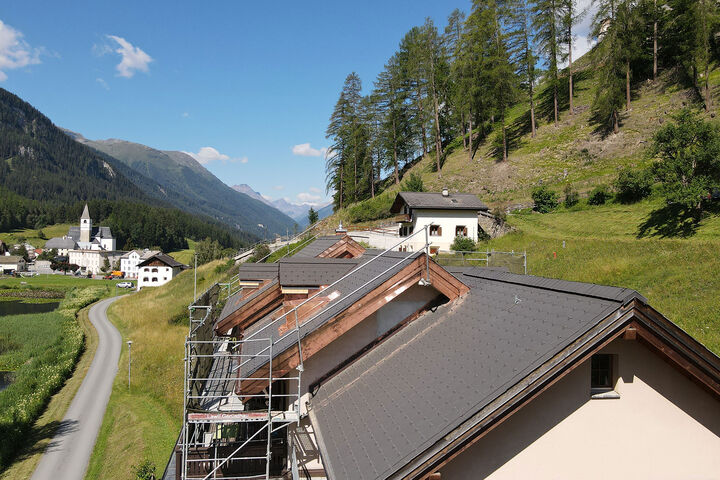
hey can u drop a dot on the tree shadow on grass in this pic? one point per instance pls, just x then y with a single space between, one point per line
24 442
670 221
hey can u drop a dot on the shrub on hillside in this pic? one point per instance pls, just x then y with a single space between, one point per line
500 216
599 195
545 199
571 196
370 209
414 183
633 185
261 251
463 244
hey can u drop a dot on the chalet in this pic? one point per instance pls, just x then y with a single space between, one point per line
129 261
63 245
11 264
158 269
388 365
447 215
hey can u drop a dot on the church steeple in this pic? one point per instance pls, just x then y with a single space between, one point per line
85 225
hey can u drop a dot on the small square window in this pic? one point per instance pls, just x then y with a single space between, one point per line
435 230
601 372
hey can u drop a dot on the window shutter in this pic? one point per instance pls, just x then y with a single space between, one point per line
440 231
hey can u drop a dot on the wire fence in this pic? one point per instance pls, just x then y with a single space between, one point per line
514 262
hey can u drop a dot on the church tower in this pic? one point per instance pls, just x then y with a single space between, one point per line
85 225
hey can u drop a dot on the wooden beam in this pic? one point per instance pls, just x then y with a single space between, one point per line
254 310
441 280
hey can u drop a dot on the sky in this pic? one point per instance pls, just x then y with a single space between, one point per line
246 87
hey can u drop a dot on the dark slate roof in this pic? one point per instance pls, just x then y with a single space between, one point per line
258 271
100 232
319 245
456 201
236 301
473 350
366 278
310 272
10 259
59 242
166 259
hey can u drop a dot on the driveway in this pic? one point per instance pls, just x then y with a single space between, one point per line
68 454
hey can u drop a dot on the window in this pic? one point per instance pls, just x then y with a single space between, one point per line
461 231
435 231
154 279
601 372
145 279
405 231
154 270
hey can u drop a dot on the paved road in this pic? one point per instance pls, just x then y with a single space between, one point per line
68 454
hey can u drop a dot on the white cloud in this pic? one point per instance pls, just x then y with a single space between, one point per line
185 115
305 150
279 187
209 154
133 58
306 197
314 189
102 83
14 51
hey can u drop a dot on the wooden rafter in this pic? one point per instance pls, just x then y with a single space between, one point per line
345 248
440 279
252 311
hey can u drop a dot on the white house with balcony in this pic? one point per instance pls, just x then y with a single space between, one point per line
158 270
447 215
129 262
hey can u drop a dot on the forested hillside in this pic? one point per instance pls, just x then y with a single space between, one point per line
495 104
45 178
206 194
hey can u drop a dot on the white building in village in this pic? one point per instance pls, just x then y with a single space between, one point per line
158 270
447 215
129 262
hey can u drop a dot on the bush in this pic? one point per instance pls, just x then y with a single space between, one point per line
261 251
633 185
462 244
571 196
599 195
500 216
545 199
414 183
371 209
144 471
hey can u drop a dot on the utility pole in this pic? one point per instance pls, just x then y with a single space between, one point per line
129 344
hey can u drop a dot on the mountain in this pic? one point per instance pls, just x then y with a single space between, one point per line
205 193
296 211
46 177
323 212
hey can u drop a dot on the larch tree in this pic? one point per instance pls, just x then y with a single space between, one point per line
570 17
547 24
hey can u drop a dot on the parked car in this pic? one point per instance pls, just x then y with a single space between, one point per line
125 285
108 277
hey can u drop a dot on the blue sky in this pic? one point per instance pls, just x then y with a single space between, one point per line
246 87
236 82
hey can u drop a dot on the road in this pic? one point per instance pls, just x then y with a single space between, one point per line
68 454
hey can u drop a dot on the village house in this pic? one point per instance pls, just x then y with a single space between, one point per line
447 215
158 269
63 245
11 264
384 364
129 261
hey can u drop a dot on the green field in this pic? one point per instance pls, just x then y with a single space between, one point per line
678 276
57 282
34 236
143 422
185 256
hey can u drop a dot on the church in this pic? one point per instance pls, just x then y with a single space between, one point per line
87 246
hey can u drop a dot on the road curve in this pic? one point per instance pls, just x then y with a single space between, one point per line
68 454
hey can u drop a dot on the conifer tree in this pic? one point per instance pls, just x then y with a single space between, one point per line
547 24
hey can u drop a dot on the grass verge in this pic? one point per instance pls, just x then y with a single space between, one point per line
143 422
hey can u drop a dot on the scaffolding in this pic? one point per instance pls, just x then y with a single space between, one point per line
231 434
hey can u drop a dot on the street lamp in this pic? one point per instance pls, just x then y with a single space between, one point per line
129 344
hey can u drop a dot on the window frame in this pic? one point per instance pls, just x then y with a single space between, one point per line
463 230
609 368
438 230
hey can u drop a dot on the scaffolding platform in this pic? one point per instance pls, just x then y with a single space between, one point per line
242 417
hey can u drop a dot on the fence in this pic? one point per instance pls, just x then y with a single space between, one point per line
515 262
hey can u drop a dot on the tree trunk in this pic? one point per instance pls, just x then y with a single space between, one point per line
655 46
532 110
616 125
421 116
555 99
396 173
342 181
570 71
372 180
470 139
627 86
438 142
462 130
504 142
708 100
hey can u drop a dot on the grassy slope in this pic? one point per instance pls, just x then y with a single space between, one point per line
185 256
143 422
677 276
32 236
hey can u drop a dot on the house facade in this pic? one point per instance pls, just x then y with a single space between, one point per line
157 270
129 261
11 263
447 215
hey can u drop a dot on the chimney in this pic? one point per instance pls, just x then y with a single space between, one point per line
445 192
340 230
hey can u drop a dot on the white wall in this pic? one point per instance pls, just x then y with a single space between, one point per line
152 276
129 265
448 220
663 426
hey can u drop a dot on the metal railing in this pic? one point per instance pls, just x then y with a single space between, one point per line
515 262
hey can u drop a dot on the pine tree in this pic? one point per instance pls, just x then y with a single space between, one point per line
548 24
